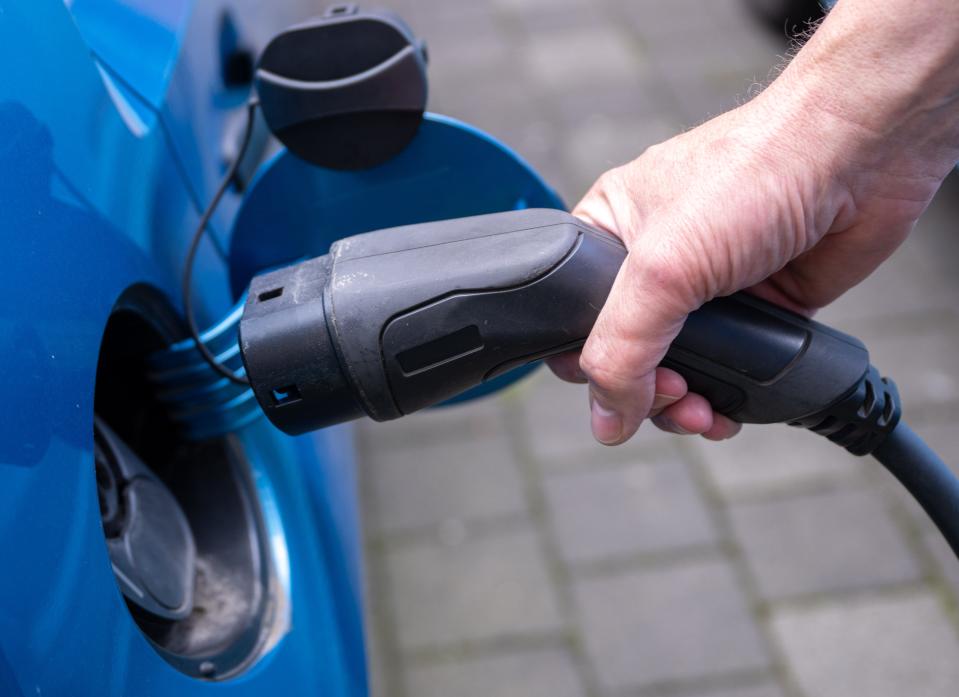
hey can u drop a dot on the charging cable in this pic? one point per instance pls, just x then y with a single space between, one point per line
187 284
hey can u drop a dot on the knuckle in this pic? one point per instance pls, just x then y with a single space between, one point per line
656 151
611 178
603 368
670 270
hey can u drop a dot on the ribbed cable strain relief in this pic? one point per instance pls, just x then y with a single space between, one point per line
862 419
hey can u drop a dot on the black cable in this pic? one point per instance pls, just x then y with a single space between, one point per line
195 245
930 481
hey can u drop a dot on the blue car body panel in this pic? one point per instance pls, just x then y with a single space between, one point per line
92 204
112 115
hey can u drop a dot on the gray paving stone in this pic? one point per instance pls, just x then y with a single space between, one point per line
404 8
541 5
648 507
438 20
531 673
479 419
774 458
682 19
942 437
651 19
600 143
673 623
558 18
822 543
464 45
463 480
876 646
479 590
698 98
945 558
921 358
625 107
564 60
375 638
764 689
557 426
708 53
538 17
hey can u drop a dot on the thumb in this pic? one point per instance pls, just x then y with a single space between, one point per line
644 312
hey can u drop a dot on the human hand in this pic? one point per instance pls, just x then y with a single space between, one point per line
792 206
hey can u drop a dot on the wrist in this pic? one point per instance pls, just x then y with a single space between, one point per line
878 88
869 108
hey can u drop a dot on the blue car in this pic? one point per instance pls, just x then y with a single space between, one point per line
158 535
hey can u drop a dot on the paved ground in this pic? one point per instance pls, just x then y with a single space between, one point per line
509 555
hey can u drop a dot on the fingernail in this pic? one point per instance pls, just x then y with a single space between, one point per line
607 425
667 424
661 401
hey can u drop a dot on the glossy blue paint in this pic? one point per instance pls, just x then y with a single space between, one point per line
138 39
114 117
90 205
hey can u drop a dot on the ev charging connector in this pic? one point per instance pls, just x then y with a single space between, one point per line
392 321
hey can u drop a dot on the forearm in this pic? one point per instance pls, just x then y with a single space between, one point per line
880 82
